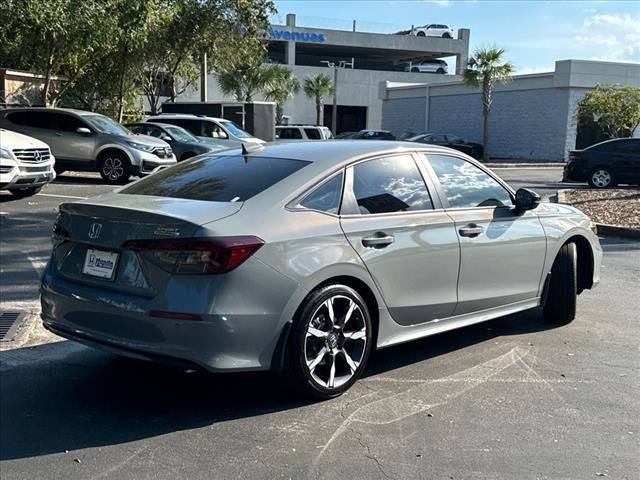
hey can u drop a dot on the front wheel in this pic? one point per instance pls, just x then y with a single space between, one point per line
330 342
115 168
601 178
560 307
446 35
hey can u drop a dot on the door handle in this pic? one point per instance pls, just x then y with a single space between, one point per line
378 240
471 230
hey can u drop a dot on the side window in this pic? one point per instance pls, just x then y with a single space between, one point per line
68 123
465 185
192 126
313 134
326 197
391 184
139 129
454 139
154 131
438 139
34 119
213 130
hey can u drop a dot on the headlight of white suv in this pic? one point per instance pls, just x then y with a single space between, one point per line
4 153
141 146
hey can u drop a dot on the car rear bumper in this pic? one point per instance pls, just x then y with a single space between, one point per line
245 339
574 173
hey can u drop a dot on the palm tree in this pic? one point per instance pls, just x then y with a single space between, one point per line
484 69
317 87
244 80
282 88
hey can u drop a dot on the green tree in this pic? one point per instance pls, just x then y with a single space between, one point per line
57 37
317 87
283 87
485 69
246 78
614 108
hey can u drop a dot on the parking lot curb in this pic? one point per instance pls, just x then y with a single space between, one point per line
524 165
603 228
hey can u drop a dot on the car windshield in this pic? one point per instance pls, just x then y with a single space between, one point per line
235 129
224 178
105 125
180 134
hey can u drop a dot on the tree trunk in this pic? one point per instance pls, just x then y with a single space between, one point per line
47 78
318 111
121 87
279 113
485 135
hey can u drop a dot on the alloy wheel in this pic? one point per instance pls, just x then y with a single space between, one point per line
113 168
335 341
601 178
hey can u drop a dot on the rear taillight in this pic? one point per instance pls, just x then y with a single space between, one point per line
197 256
575 156
59 235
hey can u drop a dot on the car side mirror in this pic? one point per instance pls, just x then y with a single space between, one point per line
83 131
526 200
166 138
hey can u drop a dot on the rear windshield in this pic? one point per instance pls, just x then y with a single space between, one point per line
228 178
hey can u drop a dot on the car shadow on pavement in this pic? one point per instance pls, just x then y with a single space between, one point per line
64 396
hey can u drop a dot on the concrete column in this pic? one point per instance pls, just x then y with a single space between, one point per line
463 58
290 46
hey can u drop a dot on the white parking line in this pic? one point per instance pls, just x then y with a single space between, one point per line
60 196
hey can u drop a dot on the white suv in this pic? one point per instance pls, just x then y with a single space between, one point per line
428 66
26 164
302 132
433 30
211 130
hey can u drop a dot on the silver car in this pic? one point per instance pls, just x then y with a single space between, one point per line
305 256
87 141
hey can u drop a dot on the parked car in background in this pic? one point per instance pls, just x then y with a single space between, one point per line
428 66
26 164
208 129
606 164
433 30
306 256
183 144
367 134
472 149
87 141
302 132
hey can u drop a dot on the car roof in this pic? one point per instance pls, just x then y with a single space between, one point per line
190 116
50 109
337 151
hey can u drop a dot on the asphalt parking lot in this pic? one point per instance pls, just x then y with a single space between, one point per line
508 399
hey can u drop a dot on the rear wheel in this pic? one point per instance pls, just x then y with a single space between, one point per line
601 178
415 69
25 192
560 307
330 342
440 70
446 35
114 167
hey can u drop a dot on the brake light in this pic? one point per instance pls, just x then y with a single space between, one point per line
59 235
575 156
197 255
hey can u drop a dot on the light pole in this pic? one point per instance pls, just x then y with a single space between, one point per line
334 110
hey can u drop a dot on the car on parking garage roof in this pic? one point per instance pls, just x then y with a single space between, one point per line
87 141
367 134
306 256
428 66
606 164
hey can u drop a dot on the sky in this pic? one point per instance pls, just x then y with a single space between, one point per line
534 33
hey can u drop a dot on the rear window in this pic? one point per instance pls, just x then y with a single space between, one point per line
217 178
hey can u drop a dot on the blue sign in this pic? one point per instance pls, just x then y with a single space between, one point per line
296 36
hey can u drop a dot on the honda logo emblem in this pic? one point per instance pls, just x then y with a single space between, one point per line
94 231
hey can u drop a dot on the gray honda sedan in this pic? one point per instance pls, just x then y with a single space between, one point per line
304 257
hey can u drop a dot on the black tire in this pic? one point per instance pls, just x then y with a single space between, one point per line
601 177
560 307
59 170
24 192
114 167
420 34
446 35
440 70
415 69
304 348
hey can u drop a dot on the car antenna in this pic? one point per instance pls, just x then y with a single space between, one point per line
248 149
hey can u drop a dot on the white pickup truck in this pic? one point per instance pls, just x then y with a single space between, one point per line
26 164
